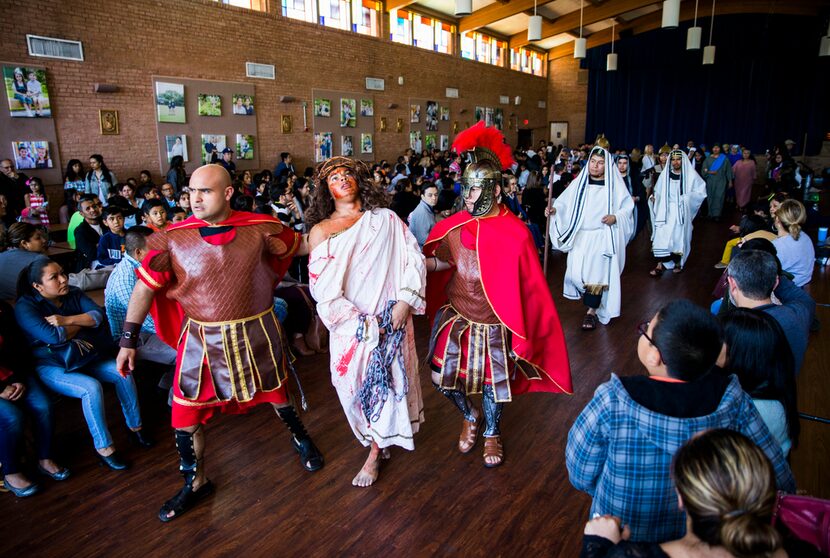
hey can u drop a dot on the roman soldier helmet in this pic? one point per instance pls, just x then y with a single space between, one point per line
489 155
665 149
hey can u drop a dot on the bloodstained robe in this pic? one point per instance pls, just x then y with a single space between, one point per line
214 303
353 275
517 294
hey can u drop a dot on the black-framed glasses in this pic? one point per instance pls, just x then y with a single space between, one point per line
642 329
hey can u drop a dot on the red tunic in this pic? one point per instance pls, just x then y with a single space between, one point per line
516 290
230 347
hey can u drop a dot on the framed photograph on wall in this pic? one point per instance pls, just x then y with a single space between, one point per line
479 114
243 105
322 107
31 155
414 113
366 144
176 145
322 147
210 105
432 116
348 113
488 116
170 102
212 146
498 119
244 146
445 113
108 122
444 142
431 141
27 92
346 146
367 107
415 142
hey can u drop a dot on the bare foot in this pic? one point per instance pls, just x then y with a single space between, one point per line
368 474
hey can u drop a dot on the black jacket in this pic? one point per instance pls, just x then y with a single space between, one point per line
86 244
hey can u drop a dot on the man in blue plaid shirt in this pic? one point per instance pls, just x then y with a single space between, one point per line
620 447
117 296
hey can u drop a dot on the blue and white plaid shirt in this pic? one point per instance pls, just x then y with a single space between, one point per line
620 453
117 296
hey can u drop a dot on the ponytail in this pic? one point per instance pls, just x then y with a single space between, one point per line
32 273
747 534
791 214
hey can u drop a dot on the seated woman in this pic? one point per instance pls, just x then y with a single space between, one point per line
21 393
26 243
758 353
795 249
51 313
726 485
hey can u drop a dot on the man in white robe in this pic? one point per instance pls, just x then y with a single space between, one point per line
367 274
677 196
592 221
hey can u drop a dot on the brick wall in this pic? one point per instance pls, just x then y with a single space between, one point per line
567 99
125 43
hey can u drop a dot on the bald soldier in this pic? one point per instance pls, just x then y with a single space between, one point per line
210 282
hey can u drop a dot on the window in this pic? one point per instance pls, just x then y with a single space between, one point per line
483 48
400 27
258 5
335 13
300 9
527 61
425 32
366 17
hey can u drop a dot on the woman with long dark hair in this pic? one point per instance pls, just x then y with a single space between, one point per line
758 353
176 174
99 180
74 177
54 316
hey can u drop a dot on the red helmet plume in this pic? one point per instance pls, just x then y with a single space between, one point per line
489 143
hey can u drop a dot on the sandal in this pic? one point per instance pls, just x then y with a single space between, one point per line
184 500
493 448
589 322
469 435
677 269
310 457
657 271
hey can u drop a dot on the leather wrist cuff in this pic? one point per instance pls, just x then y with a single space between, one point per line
129 337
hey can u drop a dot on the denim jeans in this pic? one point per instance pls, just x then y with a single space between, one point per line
85 384
36 402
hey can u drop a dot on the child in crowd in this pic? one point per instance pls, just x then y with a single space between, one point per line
284 207
620 447
111 245
36 203
178 214
184 202
155 214
169 194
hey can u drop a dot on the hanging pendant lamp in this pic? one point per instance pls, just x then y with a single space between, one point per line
581 44
671 14
709 51
534 26
694 34
611 59
463 7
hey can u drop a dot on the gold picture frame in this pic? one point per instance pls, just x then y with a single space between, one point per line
455 126
108 122
285 124
399 125
383 124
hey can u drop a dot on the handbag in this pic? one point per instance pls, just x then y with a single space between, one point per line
74 354
317 336
808 519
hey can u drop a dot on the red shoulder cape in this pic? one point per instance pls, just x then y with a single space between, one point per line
517 291
168 314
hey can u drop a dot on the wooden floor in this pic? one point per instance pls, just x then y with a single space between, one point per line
432 501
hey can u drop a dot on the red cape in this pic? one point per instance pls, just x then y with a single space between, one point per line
167 313
517 291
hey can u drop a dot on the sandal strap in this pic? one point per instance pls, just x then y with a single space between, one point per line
184 500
